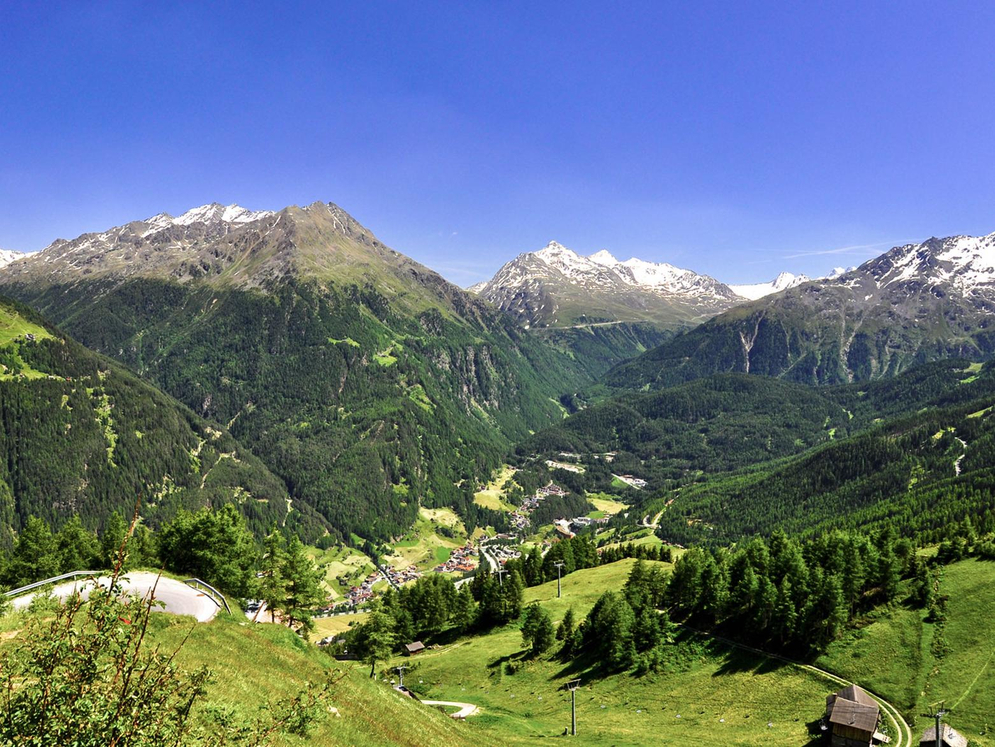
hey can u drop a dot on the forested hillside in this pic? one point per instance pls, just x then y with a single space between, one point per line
918 474
598 346
81 436
733 421
368 383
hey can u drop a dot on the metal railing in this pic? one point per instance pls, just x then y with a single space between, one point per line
47 581
213 594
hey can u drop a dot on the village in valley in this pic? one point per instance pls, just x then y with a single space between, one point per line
434 545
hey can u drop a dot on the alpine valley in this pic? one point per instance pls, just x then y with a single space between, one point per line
652 477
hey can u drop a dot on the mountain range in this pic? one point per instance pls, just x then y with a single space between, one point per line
368 386
556 287
915 303
366 382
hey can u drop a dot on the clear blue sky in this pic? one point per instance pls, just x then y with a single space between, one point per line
737 139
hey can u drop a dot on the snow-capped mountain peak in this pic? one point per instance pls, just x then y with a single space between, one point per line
7 256
554 252
966 263
212 213
556 285
604 257
783 281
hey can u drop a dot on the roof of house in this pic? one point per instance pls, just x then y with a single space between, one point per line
853 707
951 737
857 695
855 715
414 646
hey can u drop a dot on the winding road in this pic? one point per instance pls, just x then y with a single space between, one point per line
179 598
465 709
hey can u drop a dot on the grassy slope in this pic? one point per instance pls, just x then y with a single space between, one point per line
282 665
257 664
422 545
707 683
492 496
895 654
342 567
13 325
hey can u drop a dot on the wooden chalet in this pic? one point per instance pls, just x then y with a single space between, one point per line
415 647
853 717
949 737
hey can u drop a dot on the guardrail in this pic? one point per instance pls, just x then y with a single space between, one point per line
213 594
47 581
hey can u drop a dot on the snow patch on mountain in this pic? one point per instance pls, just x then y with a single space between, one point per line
212 213
7 256
604 257
783 281
966 263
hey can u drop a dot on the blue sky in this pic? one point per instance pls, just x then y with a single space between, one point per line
737 139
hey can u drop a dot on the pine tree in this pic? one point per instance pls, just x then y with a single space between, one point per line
465 611
273 585
112 538
35 555
646 632
566 627
537 629
512 597
77 547
785 612
303 587
375 639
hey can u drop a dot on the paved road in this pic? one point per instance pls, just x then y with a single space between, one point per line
179 598
465 709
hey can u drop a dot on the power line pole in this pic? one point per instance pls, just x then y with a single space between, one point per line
938 715
558 567
573 685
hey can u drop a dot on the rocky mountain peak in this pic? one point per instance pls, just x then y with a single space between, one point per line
556 285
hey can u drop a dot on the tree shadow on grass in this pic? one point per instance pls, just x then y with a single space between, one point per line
736 660
585 667
501 662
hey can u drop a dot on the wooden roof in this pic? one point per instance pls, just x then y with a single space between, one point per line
854 708
857 695
414 646
951 737
855 715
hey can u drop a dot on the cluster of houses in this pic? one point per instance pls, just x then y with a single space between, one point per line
634 482
503 553
565 466
571 527
359 595
520 516
398 578
462 560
